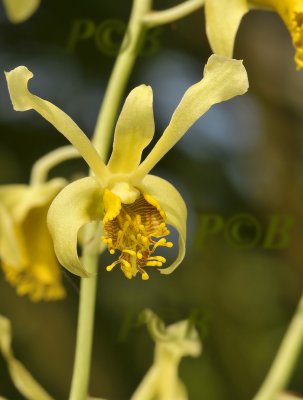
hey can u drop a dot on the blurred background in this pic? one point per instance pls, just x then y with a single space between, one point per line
239 169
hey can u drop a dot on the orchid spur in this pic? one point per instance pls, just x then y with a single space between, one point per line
135 207
223 18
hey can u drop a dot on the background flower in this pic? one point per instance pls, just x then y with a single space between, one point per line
26 250
223 18
172 343
20 10
22 379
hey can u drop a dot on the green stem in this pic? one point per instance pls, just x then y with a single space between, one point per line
42 166
126 58
157 18
101 140
88 289
285 360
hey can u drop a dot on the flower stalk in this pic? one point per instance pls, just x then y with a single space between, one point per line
129 50
172 14
101 140
285 360
85 328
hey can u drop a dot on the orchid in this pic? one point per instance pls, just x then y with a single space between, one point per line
20 10
223 18
26 252
134 206
172 344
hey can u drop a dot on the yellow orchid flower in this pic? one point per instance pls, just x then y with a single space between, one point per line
21 378
223 18
26 250
135 207
172 344
20 10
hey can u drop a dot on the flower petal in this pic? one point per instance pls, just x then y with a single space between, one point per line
93 398
10 250
223 79
10 194
21 378
172 343
23 100
26 249
76 205
20 10
174 207
39 276
291 12
36 196
134 130
223 18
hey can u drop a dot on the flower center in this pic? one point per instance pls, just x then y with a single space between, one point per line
136 230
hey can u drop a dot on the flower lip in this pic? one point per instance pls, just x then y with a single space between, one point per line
135 229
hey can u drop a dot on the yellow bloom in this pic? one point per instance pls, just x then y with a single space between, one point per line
223 18
20 10
26 251
21 378
172 344
135 207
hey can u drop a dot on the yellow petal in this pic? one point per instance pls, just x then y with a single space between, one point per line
15 203
10 194
134 130
36 196
20 10
21 378
291 12
175 209
33 269
39 276
93 398
76 205
10 250
23 100
172 343
223 18
223 79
